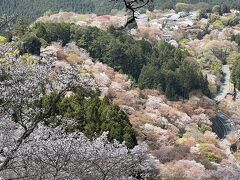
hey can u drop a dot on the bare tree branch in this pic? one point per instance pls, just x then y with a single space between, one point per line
132 6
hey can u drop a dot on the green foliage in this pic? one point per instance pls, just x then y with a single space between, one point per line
3 40
21 28
36 8
216 9
33 9
28 59
183 7
159 66
148 79
213 89
218 24
117 49
216 67
236 38
233 20
225 9
2 60
169 72
237 155
214 17
92 116
236 73
205 128
121 51
184 41
50 32
202 14
207 163
209 153
30 43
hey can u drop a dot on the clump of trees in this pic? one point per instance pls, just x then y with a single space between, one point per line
236 73
91 116
172 74
236 64
53 32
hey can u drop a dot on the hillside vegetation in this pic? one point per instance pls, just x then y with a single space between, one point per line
74 84
33 9
150 65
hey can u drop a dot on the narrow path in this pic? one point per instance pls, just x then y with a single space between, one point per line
224 90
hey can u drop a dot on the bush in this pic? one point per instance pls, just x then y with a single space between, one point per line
213 89
216 67
184 41
3 40
2 60
211 153
187 141
207 164
205 128
214 18
28 59
74 58
218 24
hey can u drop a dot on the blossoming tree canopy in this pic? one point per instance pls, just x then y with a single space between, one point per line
31 149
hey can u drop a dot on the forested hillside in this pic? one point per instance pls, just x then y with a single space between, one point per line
160 65
119 96
35 8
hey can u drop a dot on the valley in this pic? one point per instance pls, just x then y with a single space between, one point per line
81 97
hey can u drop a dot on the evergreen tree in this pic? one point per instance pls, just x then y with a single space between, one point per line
30 44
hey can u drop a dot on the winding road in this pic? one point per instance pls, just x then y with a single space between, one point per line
224 90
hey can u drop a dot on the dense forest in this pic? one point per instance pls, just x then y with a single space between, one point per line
35 8
170 4
91 116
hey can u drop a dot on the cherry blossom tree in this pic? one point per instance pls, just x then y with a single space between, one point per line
52 154
223 172
30 150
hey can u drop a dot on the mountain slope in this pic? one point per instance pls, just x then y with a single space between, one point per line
35 8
